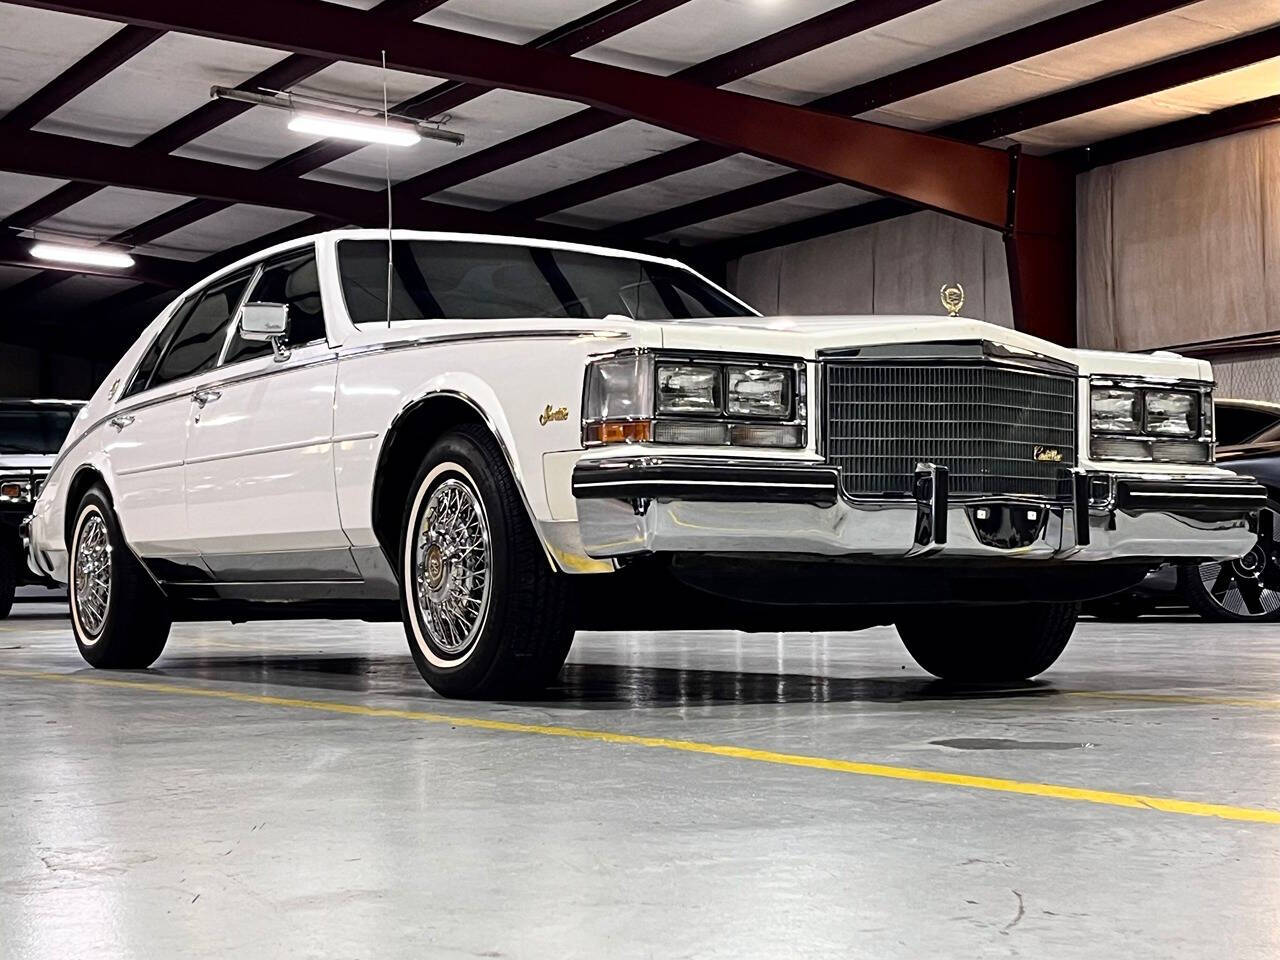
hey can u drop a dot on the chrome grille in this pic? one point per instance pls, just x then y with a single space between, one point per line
982 421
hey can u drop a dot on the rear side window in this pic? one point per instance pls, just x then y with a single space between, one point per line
197 344
294 282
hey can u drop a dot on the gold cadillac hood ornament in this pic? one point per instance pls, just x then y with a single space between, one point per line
952 298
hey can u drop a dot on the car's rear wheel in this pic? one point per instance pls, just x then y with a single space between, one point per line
484 612
119 616
987 643
1240 591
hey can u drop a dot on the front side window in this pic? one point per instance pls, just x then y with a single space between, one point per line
295 282
197 344
437 279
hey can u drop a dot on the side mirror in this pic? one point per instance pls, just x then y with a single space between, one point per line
264 322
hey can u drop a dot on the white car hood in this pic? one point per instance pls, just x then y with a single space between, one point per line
806 336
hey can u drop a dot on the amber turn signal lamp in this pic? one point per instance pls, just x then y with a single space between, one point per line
621 431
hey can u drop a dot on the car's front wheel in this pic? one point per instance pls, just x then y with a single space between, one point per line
484 612
987 643
118 615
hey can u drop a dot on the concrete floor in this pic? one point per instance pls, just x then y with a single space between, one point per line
319 805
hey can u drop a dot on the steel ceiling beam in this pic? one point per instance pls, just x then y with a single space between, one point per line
91 162
1108 91
1055 33
808 35
1179 133
291 70
608 20
962 180
81 75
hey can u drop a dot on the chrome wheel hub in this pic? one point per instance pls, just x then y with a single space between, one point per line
92 575
452 556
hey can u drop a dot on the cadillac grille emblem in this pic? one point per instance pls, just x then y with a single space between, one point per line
952 298
1048 455
552 414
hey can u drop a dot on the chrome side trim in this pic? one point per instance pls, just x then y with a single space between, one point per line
450 338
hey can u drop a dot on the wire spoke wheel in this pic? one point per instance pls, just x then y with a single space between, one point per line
453 557
92 574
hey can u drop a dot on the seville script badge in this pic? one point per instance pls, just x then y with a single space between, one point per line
952 298
1048 455
552 414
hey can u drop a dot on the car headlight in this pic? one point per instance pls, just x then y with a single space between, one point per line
1172 413
642 398
1116 410
1134 422
683 388
15 490
759 392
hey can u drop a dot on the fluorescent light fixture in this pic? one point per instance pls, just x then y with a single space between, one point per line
365 131
91 256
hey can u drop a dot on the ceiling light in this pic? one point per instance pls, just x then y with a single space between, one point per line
91 256
345 121
344 128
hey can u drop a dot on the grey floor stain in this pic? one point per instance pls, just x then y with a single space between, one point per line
1000 743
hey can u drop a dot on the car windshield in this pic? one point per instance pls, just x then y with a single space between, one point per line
436 279
34 429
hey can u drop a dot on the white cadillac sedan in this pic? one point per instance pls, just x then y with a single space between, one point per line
500 440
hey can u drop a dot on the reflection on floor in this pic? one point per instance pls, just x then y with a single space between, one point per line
153 824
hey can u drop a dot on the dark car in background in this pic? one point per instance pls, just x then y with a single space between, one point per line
1244 590
31 433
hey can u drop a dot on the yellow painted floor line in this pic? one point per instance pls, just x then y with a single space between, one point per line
884 771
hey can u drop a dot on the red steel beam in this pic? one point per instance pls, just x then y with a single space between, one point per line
1074 26
959 179
818 31
279 76
570 38
71 158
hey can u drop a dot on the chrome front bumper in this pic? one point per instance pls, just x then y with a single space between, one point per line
650 505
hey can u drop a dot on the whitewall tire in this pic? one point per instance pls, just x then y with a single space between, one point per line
119 617
484 613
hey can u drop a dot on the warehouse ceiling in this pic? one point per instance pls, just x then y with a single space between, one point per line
1086 82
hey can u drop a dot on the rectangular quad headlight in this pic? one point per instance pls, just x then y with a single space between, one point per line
1156 423
759 392
685 388
15 490
707 401
1172 413
1116 410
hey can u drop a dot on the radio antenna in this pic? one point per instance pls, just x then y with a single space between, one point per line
386 160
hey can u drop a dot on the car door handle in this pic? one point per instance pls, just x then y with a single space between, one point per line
206 396
120 422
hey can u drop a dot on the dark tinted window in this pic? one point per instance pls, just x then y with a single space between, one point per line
147 367
34 428
293 281
198 343
1240 424
434 279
